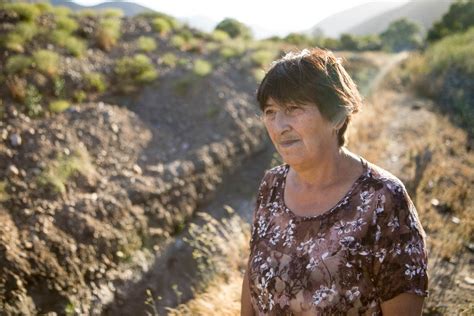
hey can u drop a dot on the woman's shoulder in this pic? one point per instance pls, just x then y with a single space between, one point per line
382 179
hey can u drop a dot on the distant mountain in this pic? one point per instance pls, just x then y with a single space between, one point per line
128 8
425 12
344 21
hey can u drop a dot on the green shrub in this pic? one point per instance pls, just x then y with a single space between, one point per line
44 7
94 81
169 59
146 43
219 36
66 23
228 52
18 64
161 25
32 101
46 62
178 41
58 106
74 45
234 28
79 96
59 85
454 51
20 36
262 58
135 70
112 13
89 13
108 33
26 12
61 11
202 67
459 18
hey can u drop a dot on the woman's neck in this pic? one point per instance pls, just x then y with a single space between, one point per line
329 170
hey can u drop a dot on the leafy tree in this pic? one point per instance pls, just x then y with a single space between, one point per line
458 19
234 28
348 42
402 34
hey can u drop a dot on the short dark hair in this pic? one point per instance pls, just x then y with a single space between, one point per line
312 76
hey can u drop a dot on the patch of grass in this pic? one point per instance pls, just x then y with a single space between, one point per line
202 67
58 106
135 70
18 64
60 170
94 81
146 44
46 62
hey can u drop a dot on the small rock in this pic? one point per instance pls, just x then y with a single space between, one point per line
455 220
15 140
137 169
13 170
469 280
434 202
114 128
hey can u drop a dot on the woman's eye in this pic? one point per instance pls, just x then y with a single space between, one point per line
269 112
291 109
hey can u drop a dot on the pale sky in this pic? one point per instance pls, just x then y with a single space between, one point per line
275 15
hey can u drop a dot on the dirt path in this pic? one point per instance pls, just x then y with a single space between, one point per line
403 134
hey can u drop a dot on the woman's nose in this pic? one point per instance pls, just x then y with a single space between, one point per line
281 121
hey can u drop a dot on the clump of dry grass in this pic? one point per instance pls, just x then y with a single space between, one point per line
221 252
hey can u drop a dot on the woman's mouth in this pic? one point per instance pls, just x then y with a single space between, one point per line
288 143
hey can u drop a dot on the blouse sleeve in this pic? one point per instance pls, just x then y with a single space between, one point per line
400 254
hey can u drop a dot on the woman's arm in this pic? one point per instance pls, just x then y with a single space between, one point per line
403 304
246 308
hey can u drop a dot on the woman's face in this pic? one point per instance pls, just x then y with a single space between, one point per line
300 133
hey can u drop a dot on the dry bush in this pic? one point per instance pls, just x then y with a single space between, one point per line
221 253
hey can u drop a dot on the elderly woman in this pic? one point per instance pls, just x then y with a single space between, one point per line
332 233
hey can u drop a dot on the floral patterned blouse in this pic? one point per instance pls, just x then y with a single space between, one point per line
367 249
